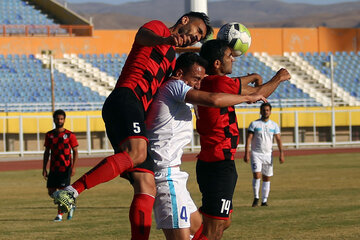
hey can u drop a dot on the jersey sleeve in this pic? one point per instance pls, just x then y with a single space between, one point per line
157 27
277 129
228 85
73 141
178 90
251 127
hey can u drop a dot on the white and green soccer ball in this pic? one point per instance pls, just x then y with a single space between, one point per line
237 35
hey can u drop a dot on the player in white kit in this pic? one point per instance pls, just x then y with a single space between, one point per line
169 128
260 136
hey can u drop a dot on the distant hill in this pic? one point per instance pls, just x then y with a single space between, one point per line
269 13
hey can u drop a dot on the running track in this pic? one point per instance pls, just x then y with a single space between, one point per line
84 161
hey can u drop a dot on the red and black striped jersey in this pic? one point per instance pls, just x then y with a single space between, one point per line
147 67
60 145
218 129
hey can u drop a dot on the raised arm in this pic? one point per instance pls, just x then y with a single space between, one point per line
281 152
219 100
254 78
147 37
268 88
249 137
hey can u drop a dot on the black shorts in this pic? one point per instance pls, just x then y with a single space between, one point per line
59 179
124 118
217 181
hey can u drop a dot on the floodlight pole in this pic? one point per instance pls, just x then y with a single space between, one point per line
333 133
50 65
52 83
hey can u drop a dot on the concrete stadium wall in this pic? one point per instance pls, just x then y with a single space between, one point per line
274 41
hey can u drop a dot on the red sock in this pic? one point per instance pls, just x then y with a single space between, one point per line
200 237
198 232
59 212
140 216
106 170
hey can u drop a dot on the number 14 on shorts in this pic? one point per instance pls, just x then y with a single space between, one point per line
225 206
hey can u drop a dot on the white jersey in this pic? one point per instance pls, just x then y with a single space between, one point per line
169 124
262 140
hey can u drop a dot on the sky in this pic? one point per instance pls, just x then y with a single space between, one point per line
318 2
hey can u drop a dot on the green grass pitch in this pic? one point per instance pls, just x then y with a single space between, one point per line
312 197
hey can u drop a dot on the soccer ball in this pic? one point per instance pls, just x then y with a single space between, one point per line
237 35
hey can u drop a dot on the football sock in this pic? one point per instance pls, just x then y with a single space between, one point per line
265 191
256 187
201 237
106 170
140 216
198 232
73 190
59 212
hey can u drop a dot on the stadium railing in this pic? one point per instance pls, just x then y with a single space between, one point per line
46 30
23 134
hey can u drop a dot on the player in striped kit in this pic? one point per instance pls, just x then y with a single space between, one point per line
149 63
219 136
170 129
260 136
59 143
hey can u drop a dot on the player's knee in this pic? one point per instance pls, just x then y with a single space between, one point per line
144 183
227 224
138 156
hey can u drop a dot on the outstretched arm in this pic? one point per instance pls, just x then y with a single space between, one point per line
147 37
268 88
219 100
281 152
254 78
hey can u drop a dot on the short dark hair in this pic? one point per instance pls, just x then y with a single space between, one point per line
202 16
188 59
59 112
213 50
263 105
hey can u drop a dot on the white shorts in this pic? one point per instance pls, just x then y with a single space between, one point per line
262 163
173 204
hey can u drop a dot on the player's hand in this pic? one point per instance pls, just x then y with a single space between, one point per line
73 171
253 98
45 174
181 40
283 75
246 158
281 158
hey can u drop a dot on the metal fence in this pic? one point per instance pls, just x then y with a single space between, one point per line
24 135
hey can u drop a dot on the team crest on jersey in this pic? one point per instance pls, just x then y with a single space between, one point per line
65 136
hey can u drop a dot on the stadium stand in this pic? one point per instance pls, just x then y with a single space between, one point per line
16 14
24 80
346 70
286 95
84 78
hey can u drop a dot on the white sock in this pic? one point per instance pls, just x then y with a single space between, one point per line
256 187
265 191
73 190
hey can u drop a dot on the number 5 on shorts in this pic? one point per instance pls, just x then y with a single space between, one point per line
136 127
